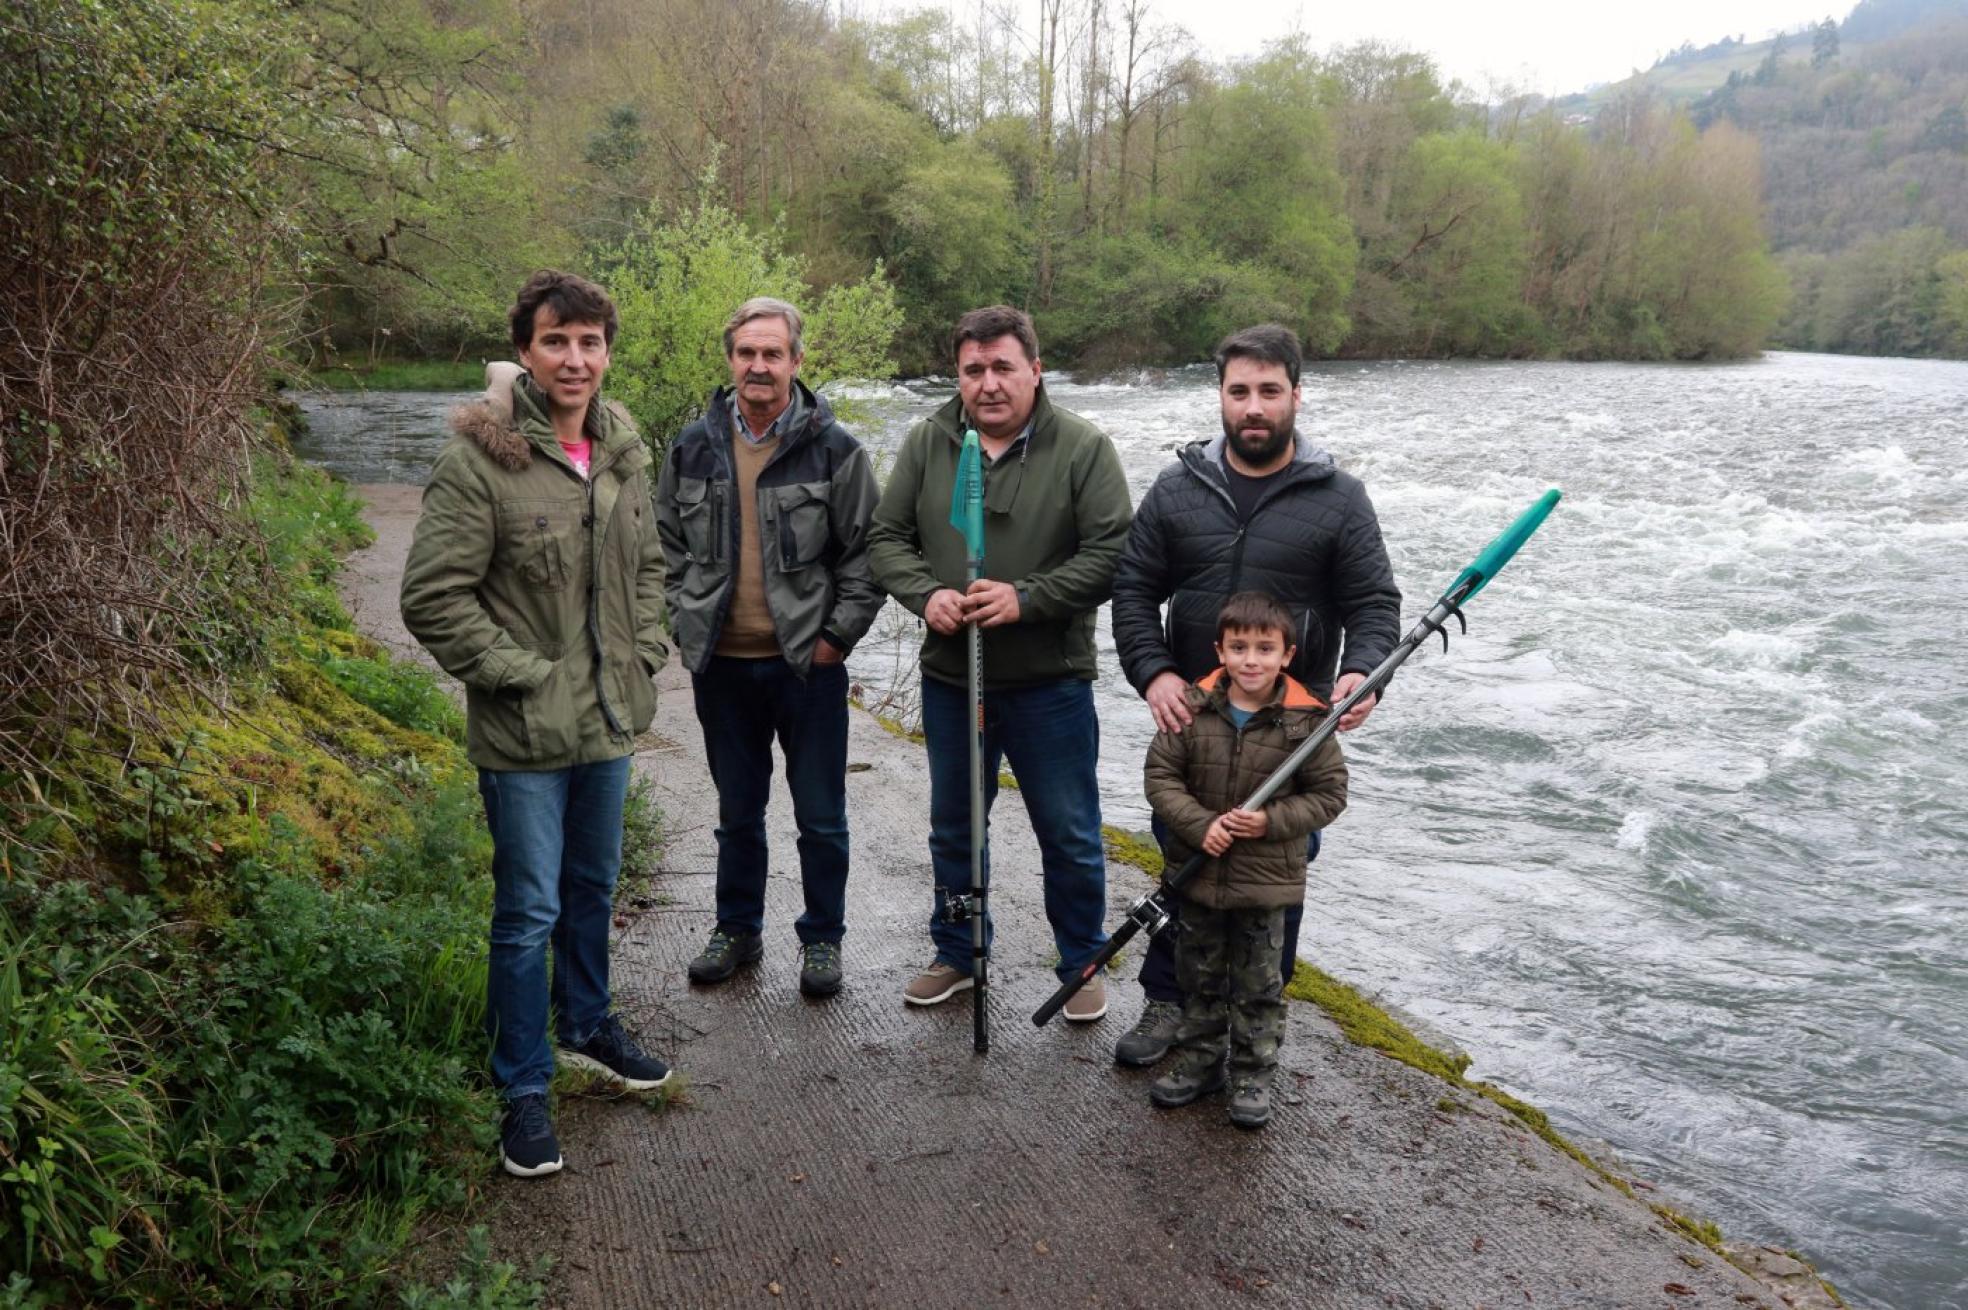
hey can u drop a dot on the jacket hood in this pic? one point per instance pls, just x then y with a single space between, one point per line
1291 695
498 422
1308 460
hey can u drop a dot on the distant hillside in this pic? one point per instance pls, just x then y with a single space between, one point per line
1864 136
1689 73
1864 145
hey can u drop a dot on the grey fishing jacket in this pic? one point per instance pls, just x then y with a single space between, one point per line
814 501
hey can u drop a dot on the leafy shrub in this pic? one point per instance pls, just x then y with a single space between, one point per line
675 280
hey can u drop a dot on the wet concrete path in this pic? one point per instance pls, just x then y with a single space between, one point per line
856 1152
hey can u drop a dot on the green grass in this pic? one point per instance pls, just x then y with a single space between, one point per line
402 375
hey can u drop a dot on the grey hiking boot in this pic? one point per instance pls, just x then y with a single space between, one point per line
723 954
820 968
1151 1037
1197 1074
1250 1102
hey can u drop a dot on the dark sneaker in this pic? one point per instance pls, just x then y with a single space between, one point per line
936 984
721 957
1250 1103
526 1138
614 1055
820 968
1150 1039
1193 1077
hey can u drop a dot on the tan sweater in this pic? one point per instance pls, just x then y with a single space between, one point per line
747 632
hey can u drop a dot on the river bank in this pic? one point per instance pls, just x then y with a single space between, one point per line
1669 840
856 1150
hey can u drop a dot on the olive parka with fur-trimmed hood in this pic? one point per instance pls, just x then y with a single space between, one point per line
542 592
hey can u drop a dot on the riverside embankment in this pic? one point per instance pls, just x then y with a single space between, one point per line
856 1152
1671 841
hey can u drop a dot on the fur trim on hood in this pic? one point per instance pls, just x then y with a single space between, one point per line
488 421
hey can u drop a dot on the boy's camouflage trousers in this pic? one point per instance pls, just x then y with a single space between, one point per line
1226 962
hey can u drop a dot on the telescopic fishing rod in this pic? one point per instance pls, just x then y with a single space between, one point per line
967 516
1150 914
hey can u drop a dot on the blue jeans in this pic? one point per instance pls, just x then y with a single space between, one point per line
1051 738
742 705
1158 964
556 848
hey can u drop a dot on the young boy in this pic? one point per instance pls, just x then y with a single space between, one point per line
1249 716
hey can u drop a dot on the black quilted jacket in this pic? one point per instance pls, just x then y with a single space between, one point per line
1312 542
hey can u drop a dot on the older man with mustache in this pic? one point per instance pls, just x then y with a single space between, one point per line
1262 508
763 509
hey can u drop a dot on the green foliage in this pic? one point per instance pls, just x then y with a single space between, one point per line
1899 294
1267 193
307 520
675 281
642 837
481 1283
138 131
1450 258
79 1116
421 215
1952 271
253 1078
957 243
1354 196
1122 299
402 375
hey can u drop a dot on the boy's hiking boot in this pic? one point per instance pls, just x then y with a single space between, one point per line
526 1138
937 984
723 954
1088 1003
1250 1102
1195 1075
1150 1038
614 1055
820 968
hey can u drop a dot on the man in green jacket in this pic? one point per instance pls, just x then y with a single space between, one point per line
1055 516
536 579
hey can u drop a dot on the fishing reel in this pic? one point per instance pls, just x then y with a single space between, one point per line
957 907
1149 914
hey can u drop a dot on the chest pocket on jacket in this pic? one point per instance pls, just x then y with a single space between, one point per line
538 541
696 514
800 511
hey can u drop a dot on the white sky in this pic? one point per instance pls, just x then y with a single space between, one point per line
1552 47
1549 46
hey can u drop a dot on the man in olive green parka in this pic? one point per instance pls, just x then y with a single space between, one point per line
536 579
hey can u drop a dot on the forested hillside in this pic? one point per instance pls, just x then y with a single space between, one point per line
1084 161
1863 127
1866 156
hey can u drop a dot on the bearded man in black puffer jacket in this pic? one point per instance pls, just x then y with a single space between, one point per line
1261 508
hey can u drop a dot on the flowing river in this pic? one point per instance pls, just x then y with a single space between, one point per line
1672 841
